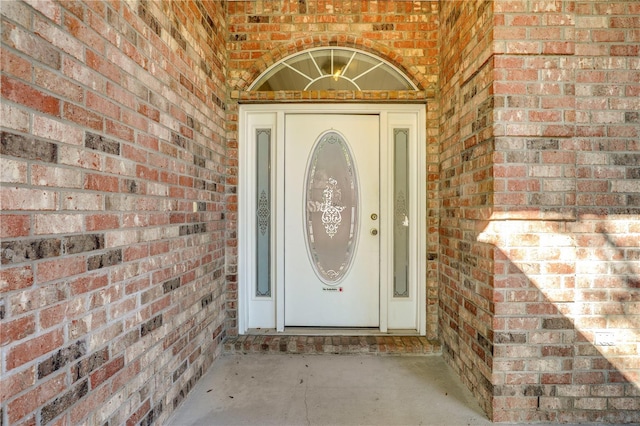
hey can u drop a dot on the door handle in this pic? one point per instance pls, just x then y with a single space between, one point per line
374 231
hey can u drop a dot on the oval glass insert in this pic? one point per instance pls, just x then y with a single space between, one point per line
331 213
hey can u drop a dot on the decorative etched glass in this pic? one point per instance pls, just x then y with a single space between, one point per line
331 214
263 213
401 209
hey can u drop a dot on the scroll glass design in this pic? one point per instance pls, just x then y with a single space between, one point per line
263 213
331 208
401 209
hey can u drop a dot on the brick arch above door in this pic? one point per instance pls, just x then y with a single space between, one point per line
403 63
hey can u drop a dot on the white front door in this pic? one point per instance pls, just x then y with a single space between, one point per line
331 232
307 255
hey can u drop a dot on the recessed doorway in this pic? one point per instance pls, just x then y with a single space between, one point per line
332 217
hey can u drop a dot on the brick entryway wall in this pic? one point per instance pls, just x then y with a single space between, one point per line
114 189
119 165
539 221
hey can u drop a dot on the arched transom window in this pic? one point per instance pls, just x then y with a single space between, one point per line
332 68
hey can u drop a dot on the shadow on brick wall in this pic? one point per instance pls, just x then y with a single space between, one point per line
566 324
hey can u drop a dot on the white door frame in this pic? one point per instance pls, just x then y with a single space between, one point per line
268 312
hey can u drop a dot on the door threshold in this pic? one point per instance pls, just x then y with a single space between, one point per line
329 331
376 343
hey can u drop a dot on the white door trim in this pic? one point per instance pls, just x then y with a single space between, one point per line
268 312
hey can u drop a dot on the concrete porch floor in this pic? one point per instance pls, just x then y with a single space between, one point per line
329 389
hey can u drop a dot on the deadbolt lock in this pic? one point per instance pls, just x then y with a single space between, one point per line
374 216
374 231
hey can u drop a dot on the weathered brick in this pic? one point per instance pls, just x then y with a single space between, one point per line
82 243
178 372
28 148
626 159
148 18
151 325
557 323
195 228
178 140
61 358
63 402
21 251
87 365
110 258
150 418
101 143
171 285
632 117
205 301
510 338
540 144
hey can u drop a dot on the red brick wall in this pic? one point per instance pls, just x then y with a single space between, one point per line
466 185
566 213
263 32
556 84
113 198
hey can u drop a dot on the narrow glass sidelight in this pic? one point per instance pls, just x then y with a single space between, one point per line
401 215
263 213
331 214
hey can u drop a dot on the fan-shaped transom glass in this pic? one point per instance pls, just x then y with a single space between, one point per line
332 68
